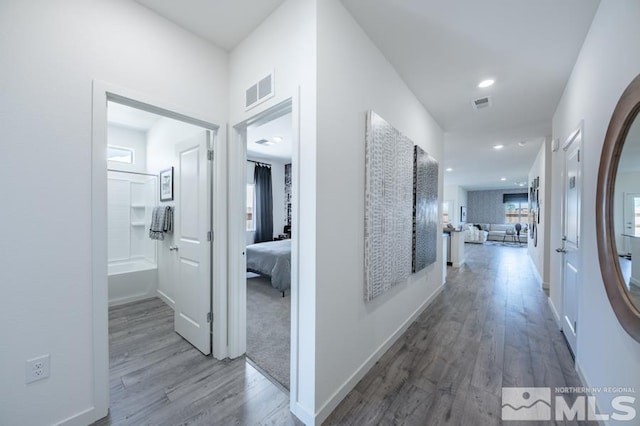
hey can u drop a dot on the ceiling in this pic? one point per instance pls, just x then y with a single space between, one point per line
279 127
442 50
129 117
222 22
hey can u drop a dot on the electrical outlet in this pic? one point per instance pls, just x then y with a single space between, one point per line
37 368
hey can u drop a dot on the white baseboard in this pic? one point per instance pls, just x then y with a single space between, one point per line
556 316
352 381
130 299
585 383
166 299
303 415
458 264
535 272
82 418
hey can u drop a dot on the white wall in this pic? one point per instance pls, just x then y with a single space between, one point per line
608 61
458 197
285 44
136 140
353 77
540 254
52 51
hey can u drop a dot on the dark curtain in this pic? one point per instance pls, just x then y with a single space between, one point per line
264 204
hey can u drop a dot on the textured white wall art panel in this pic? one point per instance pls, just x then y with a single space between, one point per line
388 207
425 213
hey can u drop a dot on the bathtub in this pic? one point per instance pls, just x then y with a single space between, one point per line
131 280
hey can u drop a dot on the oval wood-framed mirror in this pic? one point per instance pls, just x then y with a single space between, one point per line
612 232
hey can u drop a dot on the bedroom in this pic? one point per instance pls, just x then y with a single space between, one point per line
268 233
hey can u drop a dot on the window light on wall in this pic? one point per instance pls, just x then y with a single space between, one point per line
120 154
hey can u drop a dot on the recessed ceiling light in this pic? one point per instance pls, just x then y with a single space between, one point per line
521 184
486 83
449 169
276 139
503 179
522 143
498 146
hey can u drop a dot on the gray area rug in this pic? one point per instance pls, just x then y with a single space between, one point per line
506 244
268 328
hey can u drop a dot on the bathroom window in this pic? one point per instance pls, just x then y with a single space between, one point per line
119 154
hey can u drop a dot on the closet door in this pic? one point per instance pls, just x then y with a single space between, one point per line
192 230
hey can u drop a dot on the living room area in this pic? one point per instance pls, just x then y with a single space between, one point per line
501 216
481 208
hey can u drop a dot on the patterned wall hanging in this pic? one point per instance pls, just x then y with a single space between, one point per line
287 193
388 207
425 209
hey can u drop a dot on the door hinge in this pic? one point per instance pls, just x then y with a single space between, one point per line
209 316
210 236
575 327
210 155
578 156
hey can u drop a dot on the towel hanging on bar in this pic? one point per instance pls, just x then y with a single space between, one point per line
161 222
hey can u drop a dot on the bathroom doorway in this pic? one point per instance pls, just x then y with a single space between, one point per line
159 216
153 279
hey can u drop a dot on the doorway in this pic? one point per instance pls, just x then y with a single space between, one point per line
570 249
263 242
158 160
159 216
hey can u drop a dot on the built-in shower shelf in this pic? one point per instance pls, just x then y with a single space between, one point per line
138 206
137 223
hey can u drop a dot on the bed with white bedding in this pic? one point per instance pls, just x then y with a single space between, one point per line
272 259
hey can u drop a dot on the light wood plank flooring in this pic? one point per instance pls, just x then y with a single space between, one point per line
157 378
490 327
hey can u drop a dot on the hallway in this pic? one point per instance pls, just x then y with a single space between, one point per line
489 328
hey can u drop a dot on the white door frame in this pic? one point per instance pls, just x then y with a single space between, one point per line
103 92
237 235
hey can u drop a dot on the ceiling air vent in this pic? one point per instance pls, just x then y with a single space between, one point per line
259 92
482 103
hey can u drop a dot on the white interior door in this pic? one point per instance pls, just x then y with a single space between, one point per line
193 246
570 249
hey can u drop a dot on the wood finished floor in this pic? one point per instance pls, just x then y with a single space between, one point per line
490 327
157 378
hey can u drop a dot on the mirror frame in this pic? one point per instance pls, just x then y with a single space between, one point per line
623 116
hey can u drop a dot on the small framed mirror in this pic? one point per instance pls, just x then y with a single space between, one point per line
618 210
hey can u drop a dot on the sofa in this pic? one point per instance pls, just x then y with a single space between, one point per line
494 232
474 235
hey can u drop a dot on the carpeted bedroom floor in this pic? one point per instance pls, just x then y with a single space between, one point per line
268 328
